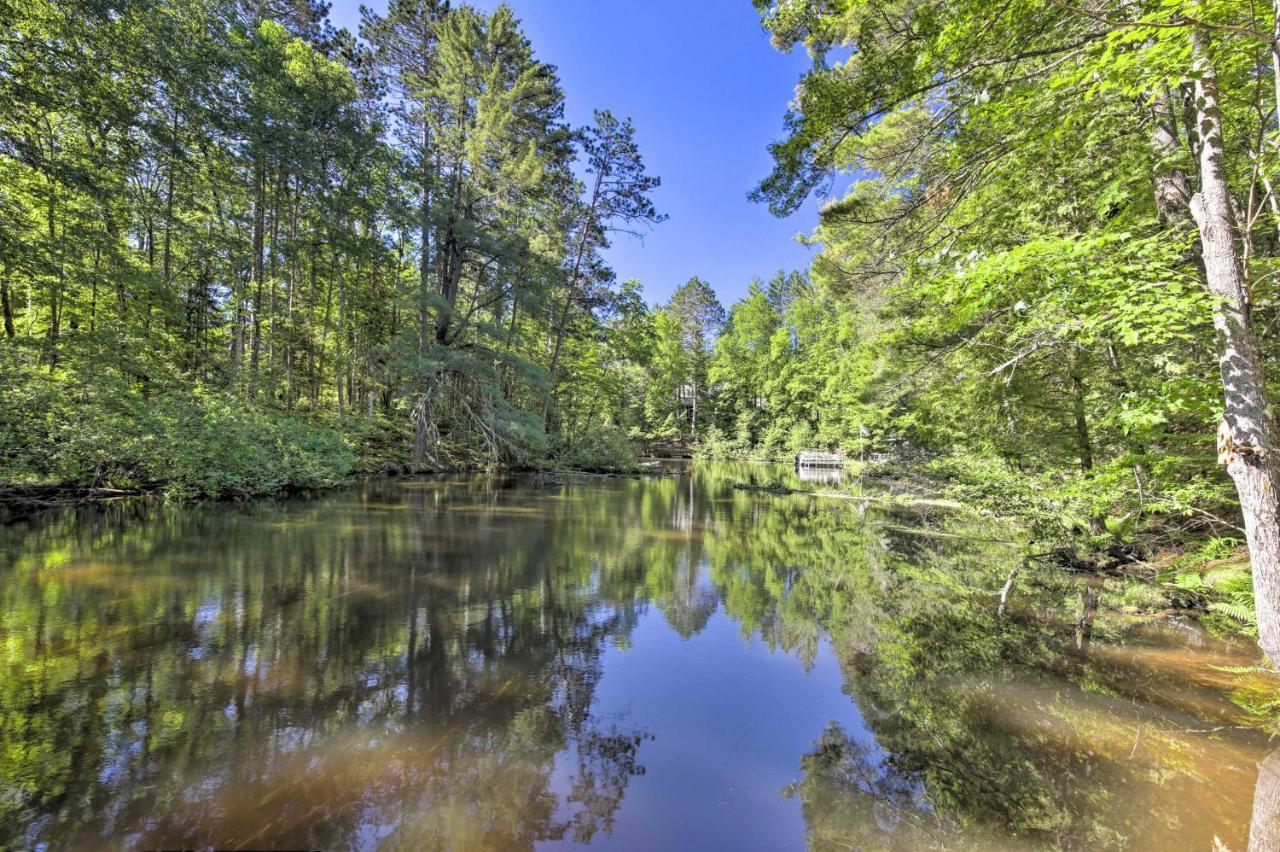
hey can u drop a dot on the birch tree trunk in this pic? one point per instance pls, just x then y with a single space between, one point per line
1248 434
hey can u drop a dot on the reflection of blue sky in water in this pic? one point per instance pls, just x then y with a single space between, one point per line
730 719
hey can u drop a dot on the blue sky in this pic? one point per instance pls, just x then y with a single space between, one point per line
707 92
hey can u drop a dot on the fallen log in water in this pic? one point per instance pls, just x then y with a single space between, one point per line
50 496
767 489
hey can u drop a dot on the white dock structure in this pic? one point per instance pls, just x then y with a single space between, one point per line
816 458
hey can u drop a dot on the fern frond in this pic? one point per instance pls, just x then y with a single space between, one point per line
1238 611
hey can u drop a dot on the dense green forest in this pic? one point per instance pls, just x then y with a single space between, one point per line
242 251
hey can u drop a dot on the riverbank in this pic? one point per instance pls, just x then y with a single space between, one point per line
1175 563
198 443
197 446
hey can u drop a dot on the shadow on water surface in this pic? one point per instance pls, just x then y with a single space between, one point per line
469 662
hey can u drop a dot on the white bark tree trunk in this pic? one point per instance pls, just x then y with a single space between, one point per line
1248 429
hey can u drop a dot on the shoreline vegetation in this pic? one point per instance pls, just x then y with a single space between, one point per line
1188 581
1205 575
1208 583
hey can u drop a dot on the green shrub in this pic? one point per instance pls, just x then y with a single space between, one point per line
189 443
715 444
799 438
597 448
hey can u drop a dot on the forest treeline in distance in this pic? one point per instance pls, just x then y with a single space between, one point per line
242 251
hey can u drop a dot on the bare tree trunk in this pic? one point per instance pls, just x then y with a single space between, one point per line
1275 60
693 425
450 278
571 290
237 335
259 227
273 330
340 346
422 411
1248 434
424 258
55 288
450 255
168 212
1084 445
7 304
328 326
294 261
1173 190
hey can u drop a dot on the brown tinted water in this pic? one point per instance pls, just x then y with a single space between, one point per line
659 663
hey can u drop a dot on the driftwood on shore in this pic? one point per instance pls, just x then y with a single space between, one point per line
643 471
24 501
905 498
49 496
767 489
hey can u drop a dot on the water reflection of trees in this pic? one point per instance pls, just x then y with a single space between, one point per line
991 727
321 673
853 800
411 666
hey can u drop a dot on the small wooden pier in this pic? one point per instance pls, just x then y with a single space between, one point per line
816 458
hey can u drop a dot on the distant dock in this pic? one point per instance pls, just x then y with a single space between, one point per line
814 458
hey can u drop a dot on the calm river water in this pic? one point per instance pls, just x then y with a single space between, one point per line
660 663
